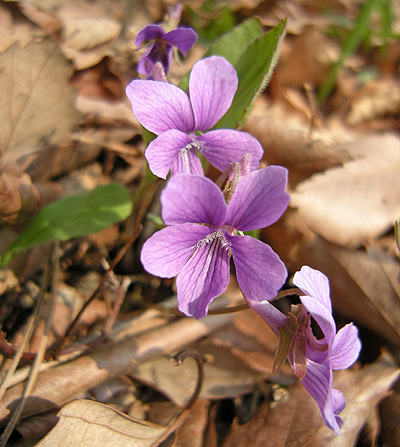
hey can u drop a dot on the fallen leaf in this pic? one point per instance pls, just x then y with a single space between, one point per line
133 343
83 33
297 420
288 141
308 60
375 99
225 375
35 103
91 424
191 432
347 205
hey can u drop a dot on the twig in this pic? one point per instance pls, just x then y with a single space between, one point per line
97 292
34 371
18 353
178 359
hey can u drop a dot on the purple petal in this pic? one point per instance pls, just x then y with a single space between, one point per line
204 277
212 86
187 162
346 347
165 253
150 32
322 316
144 66
162 151
259 271
182 38
160 106
259 200
195 199
318 383
270 314
338 401
315 284
223 146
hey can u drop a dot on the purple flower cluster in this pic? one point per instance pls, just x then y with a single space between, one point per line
205 225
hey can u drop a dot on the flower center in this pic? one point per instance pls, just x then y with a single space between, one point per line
217 236
185 156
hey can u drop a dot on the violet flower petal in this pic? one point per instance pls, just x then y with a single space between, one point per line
270 314
165 253
259 199
212 86
150 32
191 198
322 316
187 162
204 277
182 38
317 300
259 271
318 383
161 152
223 146
346 347
314 283
160 106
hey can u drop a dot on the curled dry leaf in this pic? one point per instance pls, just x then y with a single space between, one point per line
88 423
35 103
19 198
361 200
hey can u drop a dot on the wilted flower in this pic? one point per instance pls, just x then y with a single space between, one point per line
203 232
160 46
169 112
313 360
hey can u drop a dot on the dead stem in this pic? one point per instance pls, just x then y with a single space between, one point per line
97 292
34 371
178 359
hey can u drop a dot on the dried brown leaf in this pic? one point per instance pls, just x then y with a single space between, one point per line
88 423
35 103
288 141
297 420
224 375
132 345
375 99
191 432
347 205
308 60
83 34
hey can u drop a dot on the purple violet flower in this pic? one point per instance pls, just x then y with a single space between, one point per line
203 232
169 112
160 49
335 351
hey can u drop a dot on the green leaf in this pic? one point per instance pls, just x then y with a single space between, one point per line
231 45
148 136
254 69
72 217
